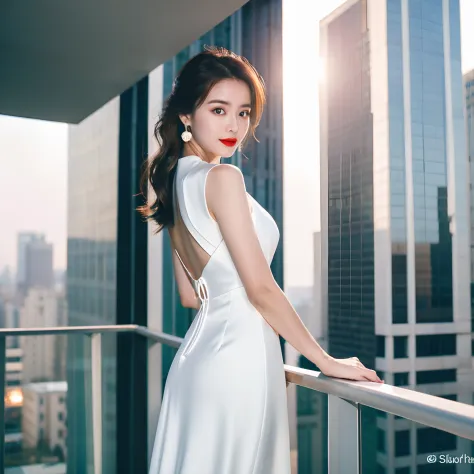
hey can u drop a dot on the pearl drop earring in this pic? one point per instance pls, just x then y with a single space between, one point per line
186 135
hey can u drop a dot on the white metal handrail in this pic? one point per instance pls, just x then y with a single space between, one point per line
345 397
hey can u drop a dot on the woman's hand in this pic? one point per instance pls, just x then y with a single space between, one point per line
351 369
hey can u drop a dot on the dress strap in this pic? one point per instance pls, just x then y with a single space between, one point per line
184 266
175 212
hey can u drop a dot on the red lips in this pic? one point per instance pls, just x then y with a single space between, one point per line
229 141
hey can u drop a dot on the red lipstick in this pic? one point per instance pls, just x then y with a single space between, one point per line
229 141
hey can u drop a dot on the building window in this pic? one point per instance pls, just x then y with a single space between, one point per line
452 397
14 373
60 434
41 401
41 416
401 378
380 346
436 376
402 470
431 440
434 469
61 399
402 443
435 345
60 416
400 347
381 469
381 440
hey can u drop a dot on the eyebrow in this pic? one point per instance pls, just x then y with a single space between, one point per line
225 103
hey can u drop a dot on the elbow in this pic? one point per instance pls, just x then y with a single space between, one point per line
262 294
186 303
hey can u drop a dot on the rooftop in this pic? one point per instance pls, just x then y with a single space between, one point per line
46 387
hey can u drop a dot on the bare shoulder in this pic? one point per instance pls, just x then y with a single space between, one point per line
224 177
224 180
226 172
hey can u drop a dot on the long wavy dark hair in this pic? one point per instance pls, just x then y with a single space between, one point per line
190 89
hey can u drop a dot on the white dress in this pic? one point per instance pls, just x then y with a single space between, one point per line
224 407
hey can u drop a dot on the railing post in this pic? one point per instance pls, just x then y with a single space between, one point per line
3 365
96 344
343 436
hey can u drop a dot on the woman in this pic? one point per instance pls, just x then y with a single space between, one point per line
224 407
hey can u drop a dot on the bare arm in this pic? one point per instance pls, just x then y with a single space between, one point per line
236 225
227 199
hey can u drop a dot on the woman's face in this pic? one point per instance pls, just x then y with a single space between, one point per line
225 114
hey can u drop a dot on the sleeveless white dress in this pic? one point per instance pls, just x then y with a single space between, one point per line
224 407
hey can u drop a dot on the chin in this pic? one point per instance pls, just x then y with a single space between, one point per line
228 153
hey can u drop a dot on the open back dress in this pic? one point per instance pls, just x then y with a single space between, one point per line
224 407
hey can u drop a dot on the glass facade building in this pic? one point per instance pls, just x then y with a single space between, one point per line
468 80
92 271
394 201
106 279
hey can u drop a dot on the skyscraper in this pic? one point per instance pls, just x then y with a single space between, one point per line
468 81
106 276
23 239
39 264
394 202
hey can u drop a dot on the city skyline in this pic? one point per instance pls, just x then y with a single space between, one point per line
40 151
358 155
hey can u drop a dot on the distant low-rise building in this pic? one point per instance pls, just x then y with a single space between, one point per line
44 420
44 356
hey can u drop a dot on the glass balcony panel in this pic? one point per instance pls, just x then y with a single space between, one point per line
401 446
48 401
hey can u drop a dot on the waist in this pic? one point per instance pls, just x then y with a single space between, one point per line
215 291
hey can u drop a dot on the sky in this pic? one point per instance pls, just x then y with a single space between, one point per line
33 154
33 184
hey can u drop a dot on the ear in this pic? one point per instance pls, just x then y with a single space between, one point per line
185 119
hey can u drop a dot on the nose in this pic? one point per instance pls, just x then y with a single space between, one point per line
233 125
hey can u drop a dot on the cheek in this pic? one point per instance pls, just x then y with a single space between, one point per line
243 130
200 128
205 123
207 130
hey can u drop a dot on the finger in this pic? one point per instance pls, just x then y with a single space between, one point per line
372 375
359 375
365 378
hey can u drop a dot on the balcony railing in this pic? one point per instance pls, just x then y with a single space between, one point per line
345 399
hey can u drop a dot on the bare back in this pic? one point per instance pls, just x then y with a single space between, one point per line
193 256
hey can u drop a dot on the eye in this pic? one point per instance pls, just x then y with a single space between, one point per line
247 112
218 108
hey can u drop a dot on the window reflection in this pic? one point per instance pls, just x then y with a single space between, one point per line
433 254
